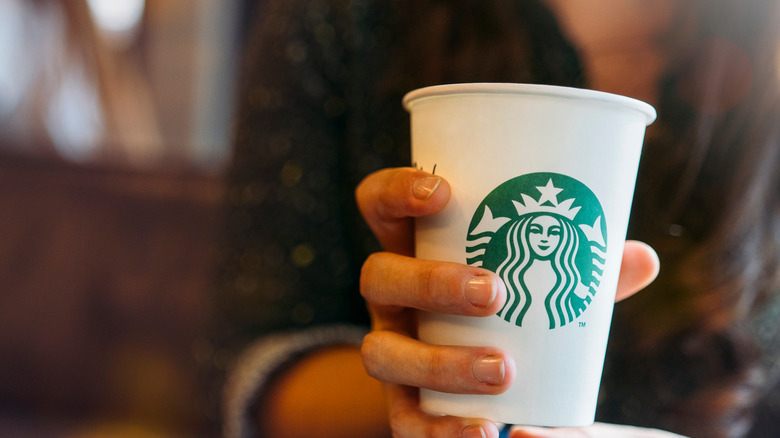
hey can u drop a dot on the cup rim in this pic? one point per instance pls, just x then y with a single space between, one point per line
531 89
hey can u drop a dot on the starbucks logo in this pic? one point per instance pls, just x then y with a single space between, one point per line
544 234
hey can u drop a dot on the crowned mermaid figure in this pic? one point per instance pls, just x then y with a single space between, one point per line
542 255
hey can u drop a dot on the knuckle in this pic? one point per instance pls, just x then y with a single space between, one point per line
372 191
439 289
364 185
430 283
366 275
437 370
361 196
368 353
358 193
425 281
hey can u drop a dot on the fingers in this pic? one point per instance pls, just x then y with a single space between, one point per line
597 430
408 421
543 432
388 198
639 268
456 370
393 280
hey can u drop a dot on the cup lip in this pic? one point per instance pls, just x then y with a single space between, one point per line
530 89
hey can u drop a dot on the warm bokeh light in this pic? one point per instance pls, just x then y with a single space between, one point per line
117 15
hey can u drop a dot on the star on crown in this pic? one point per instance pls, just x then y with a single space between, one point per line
547 203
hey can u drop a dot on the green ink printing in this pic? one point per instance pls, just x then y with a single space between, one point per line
547 223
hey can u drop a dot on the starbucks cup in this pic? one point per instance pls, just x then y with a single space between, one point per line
542 180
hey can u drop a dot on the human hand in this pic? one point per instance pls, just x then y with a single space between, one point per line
597 430
394 284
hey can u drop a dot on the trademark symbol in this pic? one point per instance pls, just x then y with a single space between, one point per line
582 324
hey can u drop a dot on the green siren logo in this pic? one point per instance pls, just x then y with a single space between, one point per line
544 234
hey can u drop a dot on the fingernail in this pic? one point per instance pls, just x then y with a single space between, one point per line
489 369
480 291
423 188
474 431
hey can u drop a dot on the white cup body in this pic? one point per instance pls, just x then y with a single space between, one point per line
530 154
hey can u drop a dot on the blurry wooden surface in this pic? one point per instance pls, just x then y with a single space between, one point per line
105 283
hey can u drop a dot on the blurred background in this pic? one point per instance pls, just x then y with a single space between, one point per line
114 132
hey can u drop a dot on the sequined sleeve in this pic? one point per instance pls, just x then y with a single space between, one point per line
290 257
294 241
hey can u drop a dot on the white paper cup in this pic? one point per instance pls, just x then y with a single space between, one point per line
542 180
